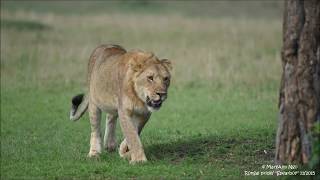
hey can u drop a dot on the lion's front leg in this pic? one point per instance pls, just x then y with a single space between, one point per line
139 122
131 147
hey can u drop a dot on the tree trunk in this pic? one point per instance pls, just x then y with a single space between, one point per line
300 84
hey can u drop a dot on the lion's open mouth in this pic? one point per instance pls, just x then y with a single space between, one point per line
154 104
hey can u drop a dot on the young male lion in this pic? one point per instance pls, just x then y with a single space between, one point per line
130 85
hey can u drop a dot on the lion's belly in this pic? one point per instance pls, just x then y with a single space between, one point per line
108 109
104 99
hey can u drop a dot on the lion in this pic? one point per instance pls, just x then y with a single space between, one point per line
125 84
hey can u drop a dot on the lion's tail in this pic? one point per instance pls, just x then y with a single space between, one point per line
79 106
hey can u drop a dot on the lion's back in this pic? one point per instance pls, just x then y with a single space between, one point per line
105 51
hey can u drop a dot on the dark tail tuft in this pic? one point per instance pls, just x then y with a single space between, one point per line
76 100
79 106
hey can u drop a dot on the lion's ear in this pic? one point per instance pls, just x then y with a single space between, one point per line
166 63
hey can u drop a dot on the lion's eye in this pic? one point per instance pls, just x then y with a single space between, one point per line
165 79
150 78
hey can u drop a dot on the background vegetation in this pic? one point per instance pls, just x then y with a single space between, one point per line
221 115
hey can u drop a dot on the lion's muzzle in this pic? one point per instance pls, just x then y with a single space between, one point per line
157 100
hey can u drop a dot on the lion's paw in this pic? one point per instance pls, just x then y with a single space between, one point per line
139 160
94 154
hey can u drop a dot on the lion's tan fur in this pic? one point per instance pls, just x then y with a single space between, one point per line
119 83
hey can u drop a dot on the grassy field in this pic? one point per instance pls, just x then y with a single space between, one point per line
219 120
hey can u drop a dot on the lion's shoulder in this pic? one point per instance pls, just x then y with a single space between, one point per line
105 51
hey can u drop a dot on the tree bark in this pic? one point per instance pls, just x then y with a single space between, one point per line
299 92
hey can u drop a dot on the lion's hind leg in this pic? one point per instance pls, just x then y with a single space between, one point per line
110 133
124 150
95 140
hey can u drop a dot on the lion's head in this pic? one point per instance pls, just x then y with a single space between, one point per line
151 78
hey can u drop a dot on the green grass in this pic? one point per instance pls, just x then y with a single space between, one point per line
221 114
212 134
